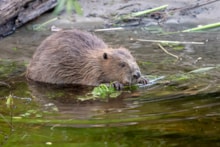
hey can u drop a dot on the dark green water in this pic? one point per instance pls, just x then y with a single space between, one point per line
181 110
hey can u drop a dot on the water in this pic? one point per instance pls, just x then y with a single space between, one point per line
180 110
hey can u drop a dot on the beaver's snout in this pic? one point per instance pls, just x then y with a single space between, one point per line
136 75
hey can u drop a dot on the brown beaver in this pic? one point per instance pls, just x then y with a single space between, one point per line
77 57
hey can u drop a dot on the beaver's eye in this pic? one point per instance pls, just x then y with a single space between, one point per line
122 64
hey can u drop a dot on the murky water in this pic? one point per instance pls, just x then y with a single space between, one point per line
181 110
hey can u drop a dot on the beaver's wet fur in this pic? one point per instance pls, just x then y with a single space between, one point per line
78 57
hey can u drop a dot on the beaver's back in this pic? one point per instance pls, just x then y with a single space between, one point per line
62 54
74 40
77 57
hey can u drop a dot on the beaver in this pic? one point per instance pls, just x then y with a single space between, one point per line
81 58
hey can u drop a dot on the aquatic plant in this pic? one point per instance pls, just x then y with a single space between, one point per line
69 6
200 28
104 91
141 13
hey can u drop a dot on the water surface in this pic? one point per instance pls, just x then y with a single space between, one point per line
179 110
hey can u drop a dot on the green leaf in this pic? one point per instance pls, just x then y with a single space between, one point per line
60 6
9 101
69 6
77 7
14 49
104 91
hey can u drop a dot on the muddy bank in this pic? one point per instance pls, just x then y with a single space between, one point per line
105 14
16 13
177 12
178 15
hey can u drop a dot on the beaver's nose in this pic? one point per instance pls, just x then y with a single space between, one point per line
137 75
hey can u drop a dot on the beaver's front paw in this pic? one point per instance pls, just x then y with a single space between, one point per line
117 85
143 80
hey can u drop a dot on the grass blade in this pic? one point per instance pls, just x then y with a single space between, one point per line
209 26
77 7
148 11
140 13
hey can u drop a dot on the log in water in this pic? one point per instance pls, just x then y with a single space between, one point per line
15 13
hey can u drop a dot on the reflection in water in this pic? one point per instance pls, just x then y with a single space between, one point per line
66 100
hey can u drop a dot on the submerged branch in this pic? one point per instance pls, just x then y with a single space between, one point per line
173 42
199 28
167 51
109 29
140 13
198 5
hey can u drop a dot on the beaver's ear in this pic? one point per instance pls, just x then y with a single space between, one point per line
105 56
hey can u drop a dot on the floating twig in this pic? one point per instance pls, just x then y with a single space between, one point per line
38 27
151 82
130 5
140 13
148 11
109 29
173 42
167 51
199 28
198 5
200 70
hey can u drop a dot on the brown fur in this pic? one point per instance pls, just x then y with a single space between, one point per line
77 57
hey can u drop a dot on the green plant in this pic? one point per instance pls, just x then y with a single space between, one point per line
104 91
69 6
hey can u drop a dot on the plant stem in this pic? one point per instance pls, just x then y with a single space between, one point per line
45 23
167 51
140 13
148 11
167 41
209 26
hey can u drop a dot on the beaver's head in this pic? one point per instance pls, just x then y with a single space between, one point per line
119 65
